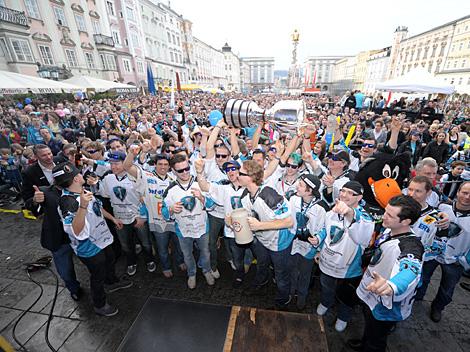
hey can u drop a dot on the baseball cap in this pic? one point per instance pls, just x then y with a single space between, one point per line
341 155
64 172
312 181
231 163
116 156
354 186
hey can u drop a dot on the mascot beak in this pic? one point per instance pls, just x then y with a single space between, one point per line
384 190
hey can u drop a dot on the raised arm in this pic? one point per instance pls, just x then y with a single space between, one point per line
212 138
234 142
201 179
128 163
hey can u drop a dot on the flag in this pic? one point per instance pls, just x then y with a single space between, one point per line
178 83
314 78
150 81
172 96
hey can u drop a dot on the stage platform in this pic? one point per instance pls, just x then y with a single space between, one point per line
179 326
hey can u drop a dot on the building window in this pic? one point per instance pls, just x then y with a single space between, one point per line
130 13
96 27
59 15
171 56
111 60
140 67
80 20
460 81
178 40
4 50
135 40
103 62
468 82
46 55
110 8
455 63
464 62
90 62
169 37
22 50
116 37
32 8
71 57
127 65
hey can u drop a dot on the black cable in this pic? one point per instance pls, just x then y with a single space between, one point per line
23 348
49 319
31 267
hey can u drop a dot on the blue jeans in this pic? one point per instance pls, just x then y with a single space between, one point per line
343 289
241 255
63 260
187 246
300 273
216 230
280 260
127 237
450 277
162 241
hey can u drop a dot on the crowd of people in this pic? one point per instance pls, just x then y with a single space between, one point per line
157 178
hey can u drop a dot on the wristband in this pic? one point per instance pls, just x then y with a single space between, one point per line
83 207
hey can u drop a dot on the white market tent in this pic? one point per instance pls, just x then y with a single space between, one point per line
416 81
16 83
99 85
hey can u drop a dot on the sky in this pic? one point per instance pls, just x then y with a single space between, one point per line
331 27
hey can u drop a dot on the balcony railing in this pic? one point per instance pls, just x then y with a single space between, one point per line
13 16
103 39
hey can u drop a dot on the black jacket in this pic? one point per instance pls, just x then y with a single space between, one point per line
437 152
406 147
32 176
93 132
52 233
350 102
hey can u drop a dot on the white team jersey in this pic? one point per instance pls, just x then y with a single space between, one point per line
268 205
95 235
454 244
315 214
224 194
123 196
425 228
214 174
152 187
399 261
192 220
344 243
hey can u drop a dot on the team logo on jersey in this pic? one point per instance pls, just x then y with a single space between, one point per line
336 234
97 208
189 202
376 256
236 202
289 194
120 192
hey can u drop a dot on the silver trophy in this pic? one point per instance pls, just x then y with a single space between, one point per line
286 115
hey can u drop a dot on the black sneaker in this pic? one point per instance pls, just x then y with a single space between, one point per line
355 344
107 310
77 295
237 283
436 315
121 284
283 305
465 285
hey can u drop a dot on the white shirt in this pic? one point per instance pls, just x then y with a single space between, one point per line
47 172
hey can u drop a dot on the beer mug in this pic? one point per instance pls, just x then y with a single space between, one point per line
240 226
286 115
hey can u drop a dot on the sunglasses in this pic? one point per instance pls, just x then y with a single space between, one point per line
292 166
243 174
186 169
368 145
231 168
179 149
218 145
272 149
334 157
92 151
221 156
